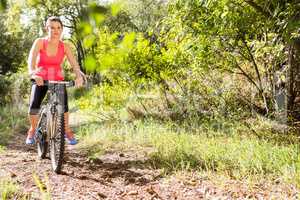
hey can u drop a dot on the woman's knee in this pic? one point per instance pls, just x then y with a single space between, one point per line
33 110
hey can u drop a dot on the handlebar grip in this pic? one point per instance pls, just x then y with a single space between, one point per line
71 84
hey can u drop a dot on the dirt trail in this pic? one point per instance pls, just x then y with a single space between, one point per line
117 175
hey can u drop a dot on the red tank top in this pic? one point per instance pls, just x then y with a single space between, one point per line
51 65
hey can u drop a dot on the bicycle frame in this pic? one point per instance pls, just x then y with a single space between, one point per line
55 106
55 103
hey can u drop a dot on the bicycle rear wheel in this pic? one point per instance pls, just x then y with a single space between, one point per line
41 135
57 141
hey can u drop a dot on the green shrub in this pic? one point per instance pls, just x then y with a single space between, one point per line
13 120
14 88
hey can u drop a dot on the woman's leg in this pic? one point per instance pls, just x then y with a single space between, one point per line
66 113
67 126
68 131
33 119
37 95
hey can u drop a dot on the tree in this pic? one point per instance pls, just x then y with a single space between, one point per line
238 34
15 40
284 19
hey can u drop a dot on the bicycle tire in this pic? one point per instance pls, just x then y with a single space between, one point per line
57 142
41 135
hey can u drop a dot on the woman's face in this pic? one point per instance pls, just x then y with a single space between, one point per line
54 30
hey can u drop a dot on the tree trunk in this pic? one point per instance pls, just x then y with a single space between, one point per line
293 82
80 54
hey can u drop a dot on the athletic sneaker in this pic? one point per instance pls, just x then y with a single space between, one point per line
30 138
70 138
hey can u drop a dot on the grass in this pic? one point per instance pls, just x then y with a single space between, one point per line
13 119
237 146
8 189
234 156
259 152
43 186
2 148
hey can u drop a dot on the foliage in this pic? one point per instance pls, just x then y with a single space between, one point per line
43 188
103 102
12 120
11 56
8 189
155 42
14 88
3 5
144 14
15 44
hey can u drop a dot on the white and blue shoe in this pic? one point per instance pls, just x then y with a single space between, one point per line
30 140
72 141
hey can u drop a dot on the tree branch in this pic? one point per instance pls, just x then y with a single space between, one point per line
258 8
254 62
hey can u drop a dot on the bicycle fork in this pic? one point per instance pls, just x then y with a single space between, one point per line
53 114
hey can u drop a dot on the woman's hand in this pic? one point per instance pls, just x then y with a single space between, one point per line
80 79
38 79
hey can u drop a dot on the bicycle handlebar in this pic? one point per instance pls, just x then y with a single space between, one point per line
67 83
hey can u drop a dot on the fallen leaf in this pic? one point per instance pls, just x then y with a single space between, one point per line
12 174
121 155
133 192
101 195
150 190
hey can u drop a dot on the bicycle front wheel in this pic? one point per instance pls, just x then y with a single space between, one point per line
41 135
57 141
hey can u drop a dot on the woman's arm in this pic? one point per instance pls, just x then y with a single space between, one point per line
32 58
74 64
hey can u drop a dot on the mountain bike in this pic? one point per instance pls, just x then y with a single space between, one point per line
50 134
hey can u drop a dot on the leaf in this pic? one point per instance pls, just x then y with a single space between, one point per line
90 63
98 17
3 5
223 15
89 41
107 61
133 192
86 28
115 9
128 40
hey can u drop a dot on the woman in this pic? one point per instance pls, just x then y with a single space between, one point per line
44 63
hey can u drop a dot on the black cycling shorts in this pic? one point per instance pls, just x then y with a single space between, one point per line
38 93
